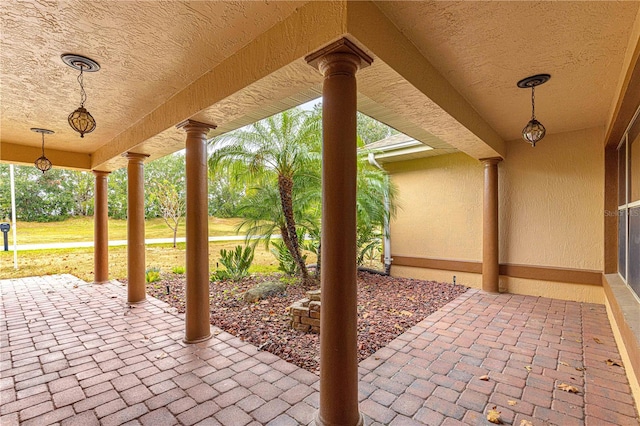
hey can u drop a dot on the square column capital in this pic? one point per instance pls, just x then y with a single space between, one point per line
344 45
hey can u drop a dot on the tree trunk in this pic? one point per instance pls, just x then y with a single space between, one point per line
285 187
319 260
175 236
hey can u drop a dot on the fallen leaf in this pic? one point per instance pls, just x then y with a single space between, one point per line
511 402
161 355
494 416
580 368
527 367
612 362
568 388
524 422
598 341
406 313
75 286
563 363
485 378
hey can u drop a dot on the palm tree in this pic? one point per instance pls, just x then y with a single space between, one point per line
282 151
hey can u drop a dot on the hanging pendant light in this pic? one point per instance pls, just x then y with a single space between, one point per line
42 163
81 120
534 131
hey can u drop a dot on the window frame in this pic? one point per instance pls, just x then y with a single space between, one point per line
625 207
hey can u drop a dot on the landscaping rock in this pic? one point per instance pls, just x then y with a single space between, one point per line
264 290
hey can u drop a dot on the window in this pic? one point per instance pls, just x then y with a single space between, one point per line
629 206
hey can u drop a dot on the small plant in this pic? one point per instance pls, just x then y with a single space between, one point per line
179 270
152 274
219 275
286 263
368 242
289 280
236 262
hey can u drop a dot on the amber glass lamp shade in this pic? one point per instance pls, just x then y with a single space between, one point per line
81 121
533 132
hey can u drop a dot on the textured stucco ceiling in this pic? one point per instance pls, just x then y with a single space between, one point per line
443 72
148 51
484 48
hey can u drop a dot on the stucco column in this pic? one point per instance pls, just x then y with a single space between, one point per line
197 313
100 229
490 253
338 323
136 291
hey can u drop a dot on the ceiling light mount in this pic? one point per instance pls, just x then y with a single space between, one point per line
534 131
533 81
81 120
42 163
80 63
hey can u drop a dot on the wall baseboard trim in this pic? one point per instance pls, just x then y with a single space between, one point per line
543 273
441 264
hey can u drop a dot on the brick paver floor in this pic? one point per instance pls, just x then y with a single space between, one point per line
76 354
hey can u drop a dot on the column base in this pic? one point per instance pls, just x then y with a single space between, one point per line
199 340
139 302
317 421
101 282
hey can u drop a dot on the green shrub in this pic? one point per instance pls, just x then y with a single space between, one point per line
152 274
282 254
369 242
219 275
236 262
178 270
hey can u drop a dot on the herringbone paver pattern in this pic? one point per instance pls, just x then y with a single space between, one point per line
76 354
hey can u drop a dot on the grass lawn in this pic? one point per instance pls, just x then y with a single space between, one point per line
79 262
81 229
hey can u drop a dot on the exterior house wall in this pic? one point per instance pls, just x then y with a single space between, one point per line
551 207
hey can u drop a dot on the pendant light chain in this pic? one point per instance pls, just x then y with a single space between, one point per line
533 102
42 144
83 94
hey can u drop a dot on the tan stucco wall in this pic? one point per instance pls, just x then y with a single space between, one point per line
464 278
555 290
440 214
551 207
551 201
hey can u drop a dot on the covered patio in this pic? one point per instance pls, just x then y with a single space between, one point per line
553 228
75 353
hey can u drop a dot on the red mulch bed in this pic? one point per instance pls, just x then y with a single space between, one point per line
387 306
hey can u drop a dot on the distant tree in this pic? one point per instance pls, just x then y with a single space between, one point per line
171 201
371 130
5 193
165 190
83 184
117 194
40 197
225 196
